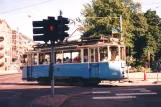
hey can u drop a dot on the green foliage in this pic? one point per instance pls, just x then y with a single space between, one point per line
141 31
139 67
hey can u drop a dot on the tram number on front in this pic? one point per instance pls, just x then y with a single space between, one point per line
114 73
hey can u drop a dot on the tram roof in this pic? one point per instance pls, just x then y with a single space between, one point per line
73 45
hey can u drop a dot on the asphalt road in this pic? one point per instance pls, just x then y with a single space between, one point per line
140 96
17 93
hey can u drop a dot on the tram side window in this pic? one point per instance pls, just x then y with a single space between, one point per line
24 58
103 54
68 57
96 54
86 55
59 57
77 58
41 58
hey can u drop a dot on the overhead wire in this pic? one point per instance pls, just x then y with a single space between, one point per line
153 3
25 7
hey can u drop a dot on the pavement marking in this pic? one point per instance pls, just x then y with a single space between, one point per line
100 92
136 89
115 97
124 94
119 88
145 90
100 88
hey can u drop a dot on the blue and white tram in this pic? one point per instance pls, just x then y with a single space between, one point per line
88 63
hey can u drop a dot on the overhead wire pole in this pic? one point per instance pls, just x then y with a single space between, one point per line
121 25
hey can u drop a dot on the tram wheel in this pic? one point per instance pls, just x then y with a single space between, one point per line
75 82
91 82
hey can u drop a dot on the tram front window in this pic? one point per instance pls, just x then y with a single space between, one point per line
114 53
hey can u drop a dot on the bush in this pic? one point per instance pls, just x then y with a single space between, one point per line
139 67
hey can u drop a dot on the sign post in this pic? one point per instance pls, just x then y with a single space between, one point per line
158 68
52 69
51 30
149 61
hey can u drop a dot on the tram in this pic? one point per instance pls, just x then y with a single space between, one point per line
88 63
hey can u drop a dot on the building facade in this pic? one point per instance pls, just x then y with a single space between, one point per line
6 45
12 46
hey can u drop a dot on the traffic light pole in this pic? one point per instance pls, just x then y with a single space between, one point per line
52 68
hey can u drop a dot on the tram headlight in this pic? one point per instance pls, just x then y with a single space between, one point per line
123 65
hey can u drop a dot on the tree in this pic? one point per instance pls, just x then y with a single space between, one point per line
154 32
103 15
141 31
140 40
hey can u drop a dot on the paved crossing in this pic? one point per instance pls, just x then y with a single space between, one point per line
121 93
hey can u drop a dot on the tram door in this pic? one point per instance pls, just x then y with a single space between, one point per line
93 62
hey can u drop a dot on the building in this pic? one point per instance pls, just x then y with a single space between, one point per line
23 44
14 42
12 46
20 44
6 45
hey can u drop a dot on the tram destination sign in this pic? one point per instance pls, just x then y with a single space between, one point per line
56 47
65 47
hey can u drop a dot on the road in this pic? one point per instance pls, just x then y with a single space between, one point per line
17 93
140 96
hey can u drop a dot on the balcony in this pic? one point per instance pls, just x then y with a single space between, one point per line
1 47
1 38
1 64
1 55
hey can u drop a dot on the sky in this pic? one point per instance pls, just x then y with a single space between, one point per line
17 16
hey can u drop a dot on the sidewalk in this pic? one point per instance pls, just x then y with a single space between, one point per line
137 78
48 101
9 72
149 77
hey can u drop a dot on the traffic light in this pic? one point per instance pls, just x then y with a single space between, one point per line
38 31
62 28
44 30
51 29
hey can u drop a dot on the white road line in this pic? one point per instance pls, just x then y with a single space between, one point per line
119 89
124 94
145 90
136 89
100 88
100 92
115 97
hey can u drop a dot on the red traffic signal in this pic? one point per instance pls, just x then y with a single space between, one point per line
51 28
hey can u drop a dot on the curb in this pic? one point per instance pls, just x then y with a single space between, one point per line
155 82
65 100
10 74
